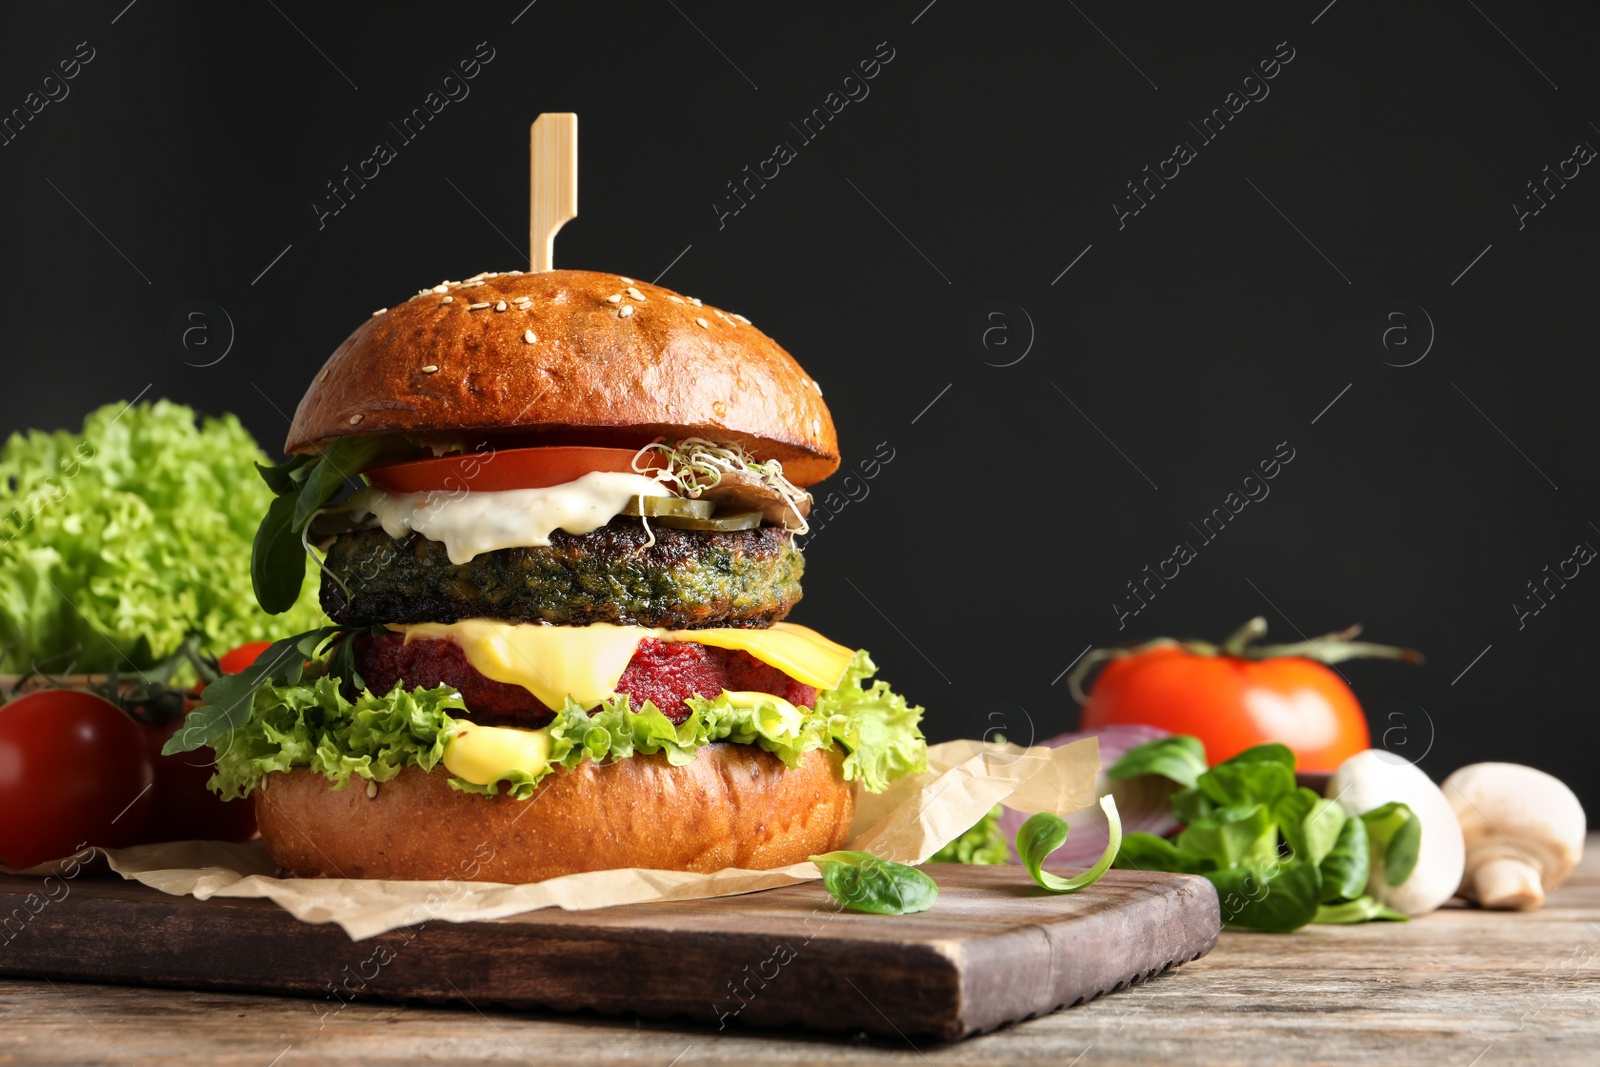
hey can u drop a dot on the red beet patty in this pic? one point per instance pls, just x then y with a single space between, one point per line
662 672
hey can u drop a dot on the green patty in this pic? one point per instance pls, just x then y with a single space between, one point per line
685 579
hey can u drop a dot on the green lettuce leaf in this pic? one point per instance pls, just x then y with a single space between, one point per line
983 843
119 541
312 724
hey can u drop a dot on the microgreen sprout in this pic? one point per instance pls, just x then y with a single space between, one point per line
693 465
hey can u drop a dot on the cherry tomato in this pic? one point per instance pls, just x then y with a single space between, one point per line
184 809
1231 703
74 770
506 468
244 656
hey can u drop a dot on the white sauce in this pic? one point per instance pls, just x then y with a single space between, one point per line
471 523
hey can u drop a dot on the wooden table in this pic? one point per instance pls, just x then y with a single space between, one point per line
1460 987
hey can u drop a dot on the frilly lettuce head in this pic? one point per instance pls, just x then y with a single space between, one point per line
117 542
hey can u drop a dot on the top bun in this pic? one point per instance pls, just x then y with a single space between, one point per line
610 361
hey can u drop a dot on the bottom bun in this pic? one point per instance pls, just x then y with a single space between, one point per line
733 806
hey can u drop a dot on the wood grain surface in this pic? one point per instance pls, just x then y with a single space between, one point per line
1460 987
994 949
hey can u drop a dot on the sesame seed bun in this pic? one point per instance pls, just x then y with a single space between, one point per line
732 806
568 357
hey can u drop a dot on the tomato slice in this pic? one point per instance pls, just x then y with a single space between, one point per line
506 468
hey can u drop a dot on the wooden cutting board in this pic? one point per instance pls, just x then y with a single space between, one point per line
994 949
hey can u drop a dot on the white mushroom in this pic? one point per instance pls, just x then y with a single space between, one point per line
1373 778
1524 832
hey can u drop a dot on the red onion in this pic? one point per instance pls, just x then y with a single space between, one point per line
1145 802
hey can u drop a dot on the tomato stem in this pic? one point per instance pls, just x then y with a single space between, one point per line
1328 649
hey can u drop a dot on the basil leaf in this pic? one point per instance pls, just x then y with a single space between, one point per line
1180 757
1260 782
1274 897
1360 910
277 559
1271 752
1147 852
1045 832
1191 805
1230 836
225 703
1395 830
863 882
1310 824
1345 868
341 461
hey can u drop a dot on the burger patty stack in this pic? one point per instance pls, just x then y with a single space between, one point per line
560 595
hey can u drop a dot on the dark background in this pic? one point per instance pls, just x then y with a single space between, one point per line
1177 352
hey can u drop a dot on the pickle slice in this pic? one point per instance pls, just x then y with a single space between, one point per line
668 506
731 520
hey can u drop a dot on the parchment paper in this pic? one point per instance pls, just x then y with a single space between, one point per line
909 822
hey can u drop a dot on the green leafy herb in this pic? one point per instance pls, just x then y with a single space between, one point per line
1045 832
1275 897
863 882
303 484
1395 830
1361 909
983 843
1279 855
1345 868
1180 757
118 542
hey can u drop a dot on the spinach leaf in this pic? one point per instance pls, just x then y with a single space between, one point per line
1360 910
863 882
1395 830
303 484
1274 897
1045 832
1180 757
1345 868
277 560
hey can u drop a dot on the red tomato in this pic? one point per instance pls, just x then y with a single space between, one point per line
242 657
506 468
73 771
184 809
1231 703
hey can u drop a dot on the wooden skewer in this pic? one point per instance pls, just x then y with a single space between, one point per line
553 188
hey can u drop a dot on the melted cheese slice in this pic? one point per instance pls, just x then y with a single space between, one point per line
484 754
586 662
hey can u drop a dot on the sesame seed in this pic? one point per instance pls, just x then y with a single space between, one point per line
355 419
624 311
741 318
614 298
478 307
441 288
372 789
675 299
431 368
448 300
529 336
500 306
695 300
703 324
626 281
380 311
482 274
636 294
